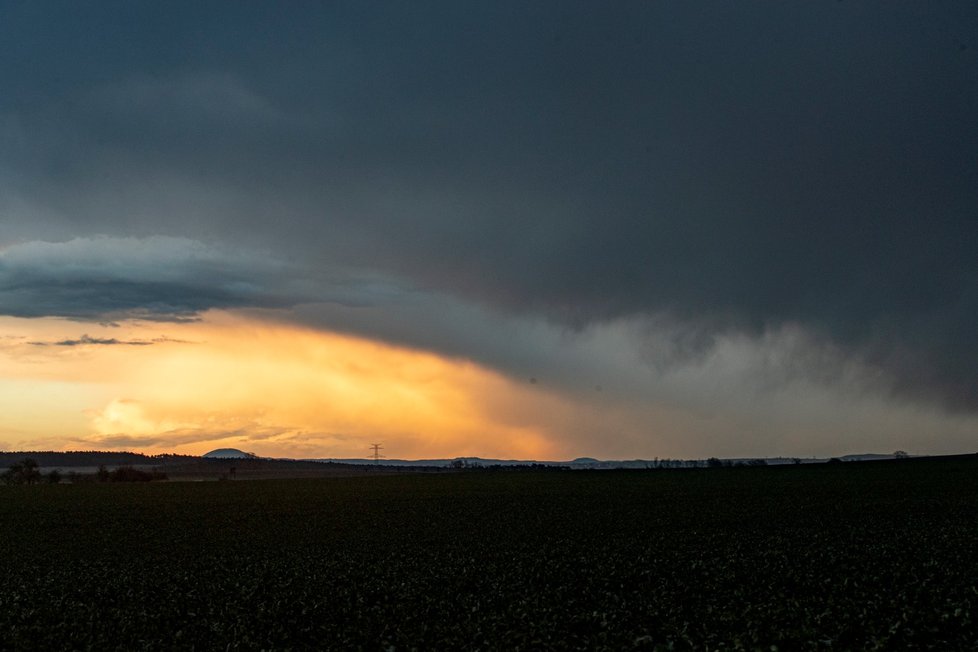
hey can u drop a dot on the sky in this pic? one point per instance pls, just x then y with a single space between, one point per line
515 230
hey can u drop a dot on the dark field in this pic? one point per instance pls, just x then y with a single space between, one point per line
853 556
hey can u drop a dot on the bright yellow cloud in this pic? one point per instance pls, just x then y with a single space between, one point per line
267 387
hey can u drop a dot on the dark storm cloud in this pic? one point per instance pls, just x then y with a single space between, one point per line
735 167
156 279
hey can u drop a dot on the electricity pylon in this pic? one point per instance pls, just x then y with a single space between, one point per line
376 449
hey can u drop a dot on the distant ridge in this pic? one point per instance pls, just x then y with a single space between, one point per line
78 458
114 459
592 463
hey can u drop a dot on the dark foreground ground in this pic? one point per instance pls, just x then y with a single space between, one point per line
853 556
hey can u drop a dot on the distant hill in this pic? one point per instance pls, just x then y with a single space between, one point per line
229 454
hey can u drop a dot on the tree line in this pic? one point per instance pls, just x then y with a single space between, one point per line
28 472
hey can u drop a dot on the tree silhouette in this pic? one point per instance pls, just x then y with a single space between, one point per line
24 472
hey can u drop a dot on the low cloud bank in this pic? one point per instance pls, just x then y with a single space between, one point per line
166 279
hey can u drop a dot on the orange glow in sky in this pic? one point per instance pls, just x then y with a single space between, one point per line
266 387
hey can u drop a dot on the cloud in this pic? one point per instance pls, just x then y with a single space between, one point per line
199 100
732 171
97 341
154 279
298 443
87 340
280 389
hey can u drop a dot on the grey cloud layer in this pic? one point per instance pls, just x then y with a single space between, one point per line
159 278
88 340
165 279
735 168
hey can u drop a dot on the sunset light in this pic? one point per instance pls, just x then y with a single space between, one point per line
268 387
488 325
